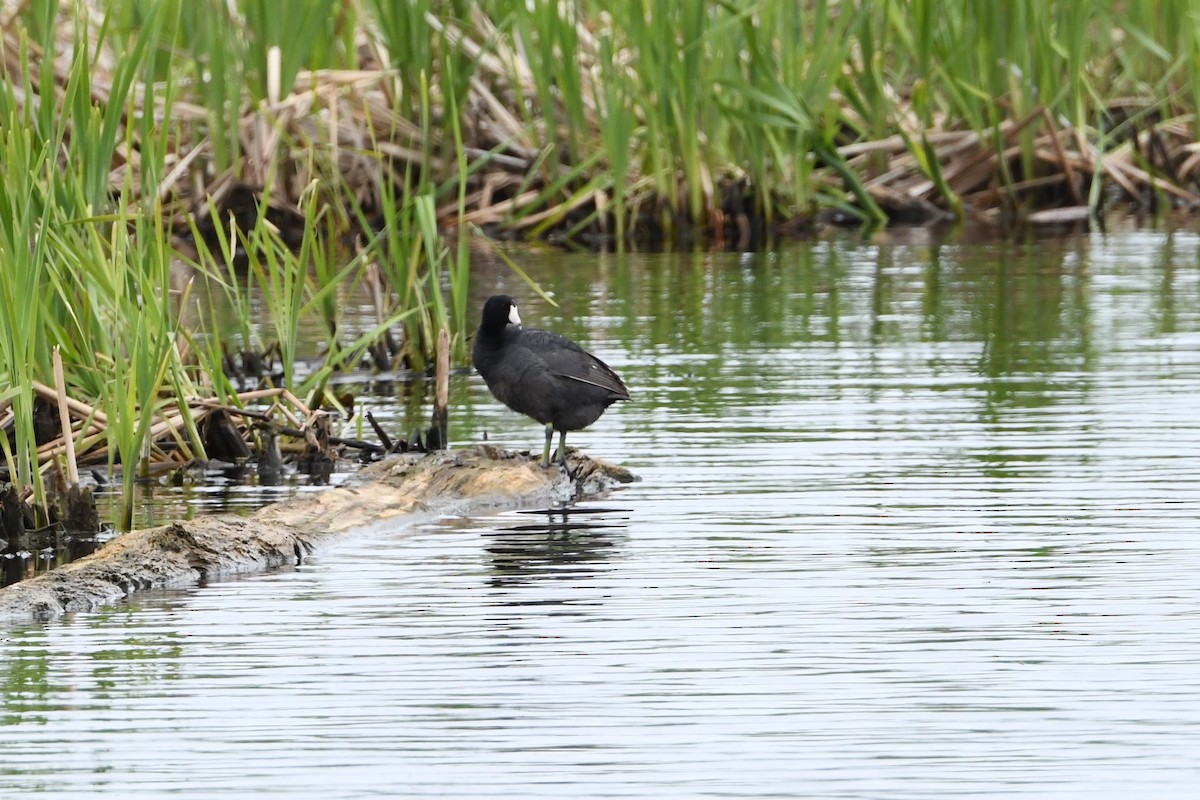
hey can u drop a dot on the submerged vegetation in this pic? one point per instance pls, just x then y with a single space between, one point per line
294 159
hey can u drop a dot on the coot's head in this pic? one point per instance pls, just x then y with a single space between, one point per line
499 311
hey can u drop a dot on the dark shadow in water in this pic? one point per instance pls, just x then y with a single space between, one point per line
36 552
565 543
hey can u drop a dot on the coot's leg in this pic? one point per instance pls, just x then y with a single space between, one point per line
546 450
562 448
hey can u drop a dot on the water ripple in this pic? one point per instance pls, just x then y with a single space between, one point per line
879 550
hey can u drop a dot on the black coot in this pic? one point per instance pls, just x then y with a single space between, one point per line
541 374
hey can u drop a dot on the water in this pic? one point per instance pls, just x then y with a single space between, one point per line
918 518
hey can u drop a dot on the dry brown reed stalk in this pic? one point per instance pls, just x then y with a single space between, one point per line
85 427
347 123
64 416
972 168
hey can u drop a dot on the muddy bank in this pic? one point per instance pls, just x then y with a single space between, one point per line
185 553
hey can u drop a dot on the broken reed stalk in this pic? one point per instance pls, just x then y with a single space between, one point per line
440 428
356 444
291 398
64 417
75 406
1061 157
384 439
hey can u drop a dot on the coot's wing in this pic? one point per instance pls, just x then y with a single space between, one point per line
565 359
603 377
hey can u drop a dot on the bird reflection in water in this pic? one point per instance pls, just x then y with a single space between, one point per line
565 543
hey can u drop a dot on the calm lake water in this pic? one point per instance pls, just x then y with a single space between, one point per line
918 518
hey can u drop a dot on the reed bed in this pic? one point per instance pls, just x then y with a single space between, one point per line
306 149
617 121
605 123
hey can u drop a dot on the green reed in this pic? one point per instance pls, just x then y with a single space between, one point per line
90 267
687 94
140 360
648 111
75 277
23 253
